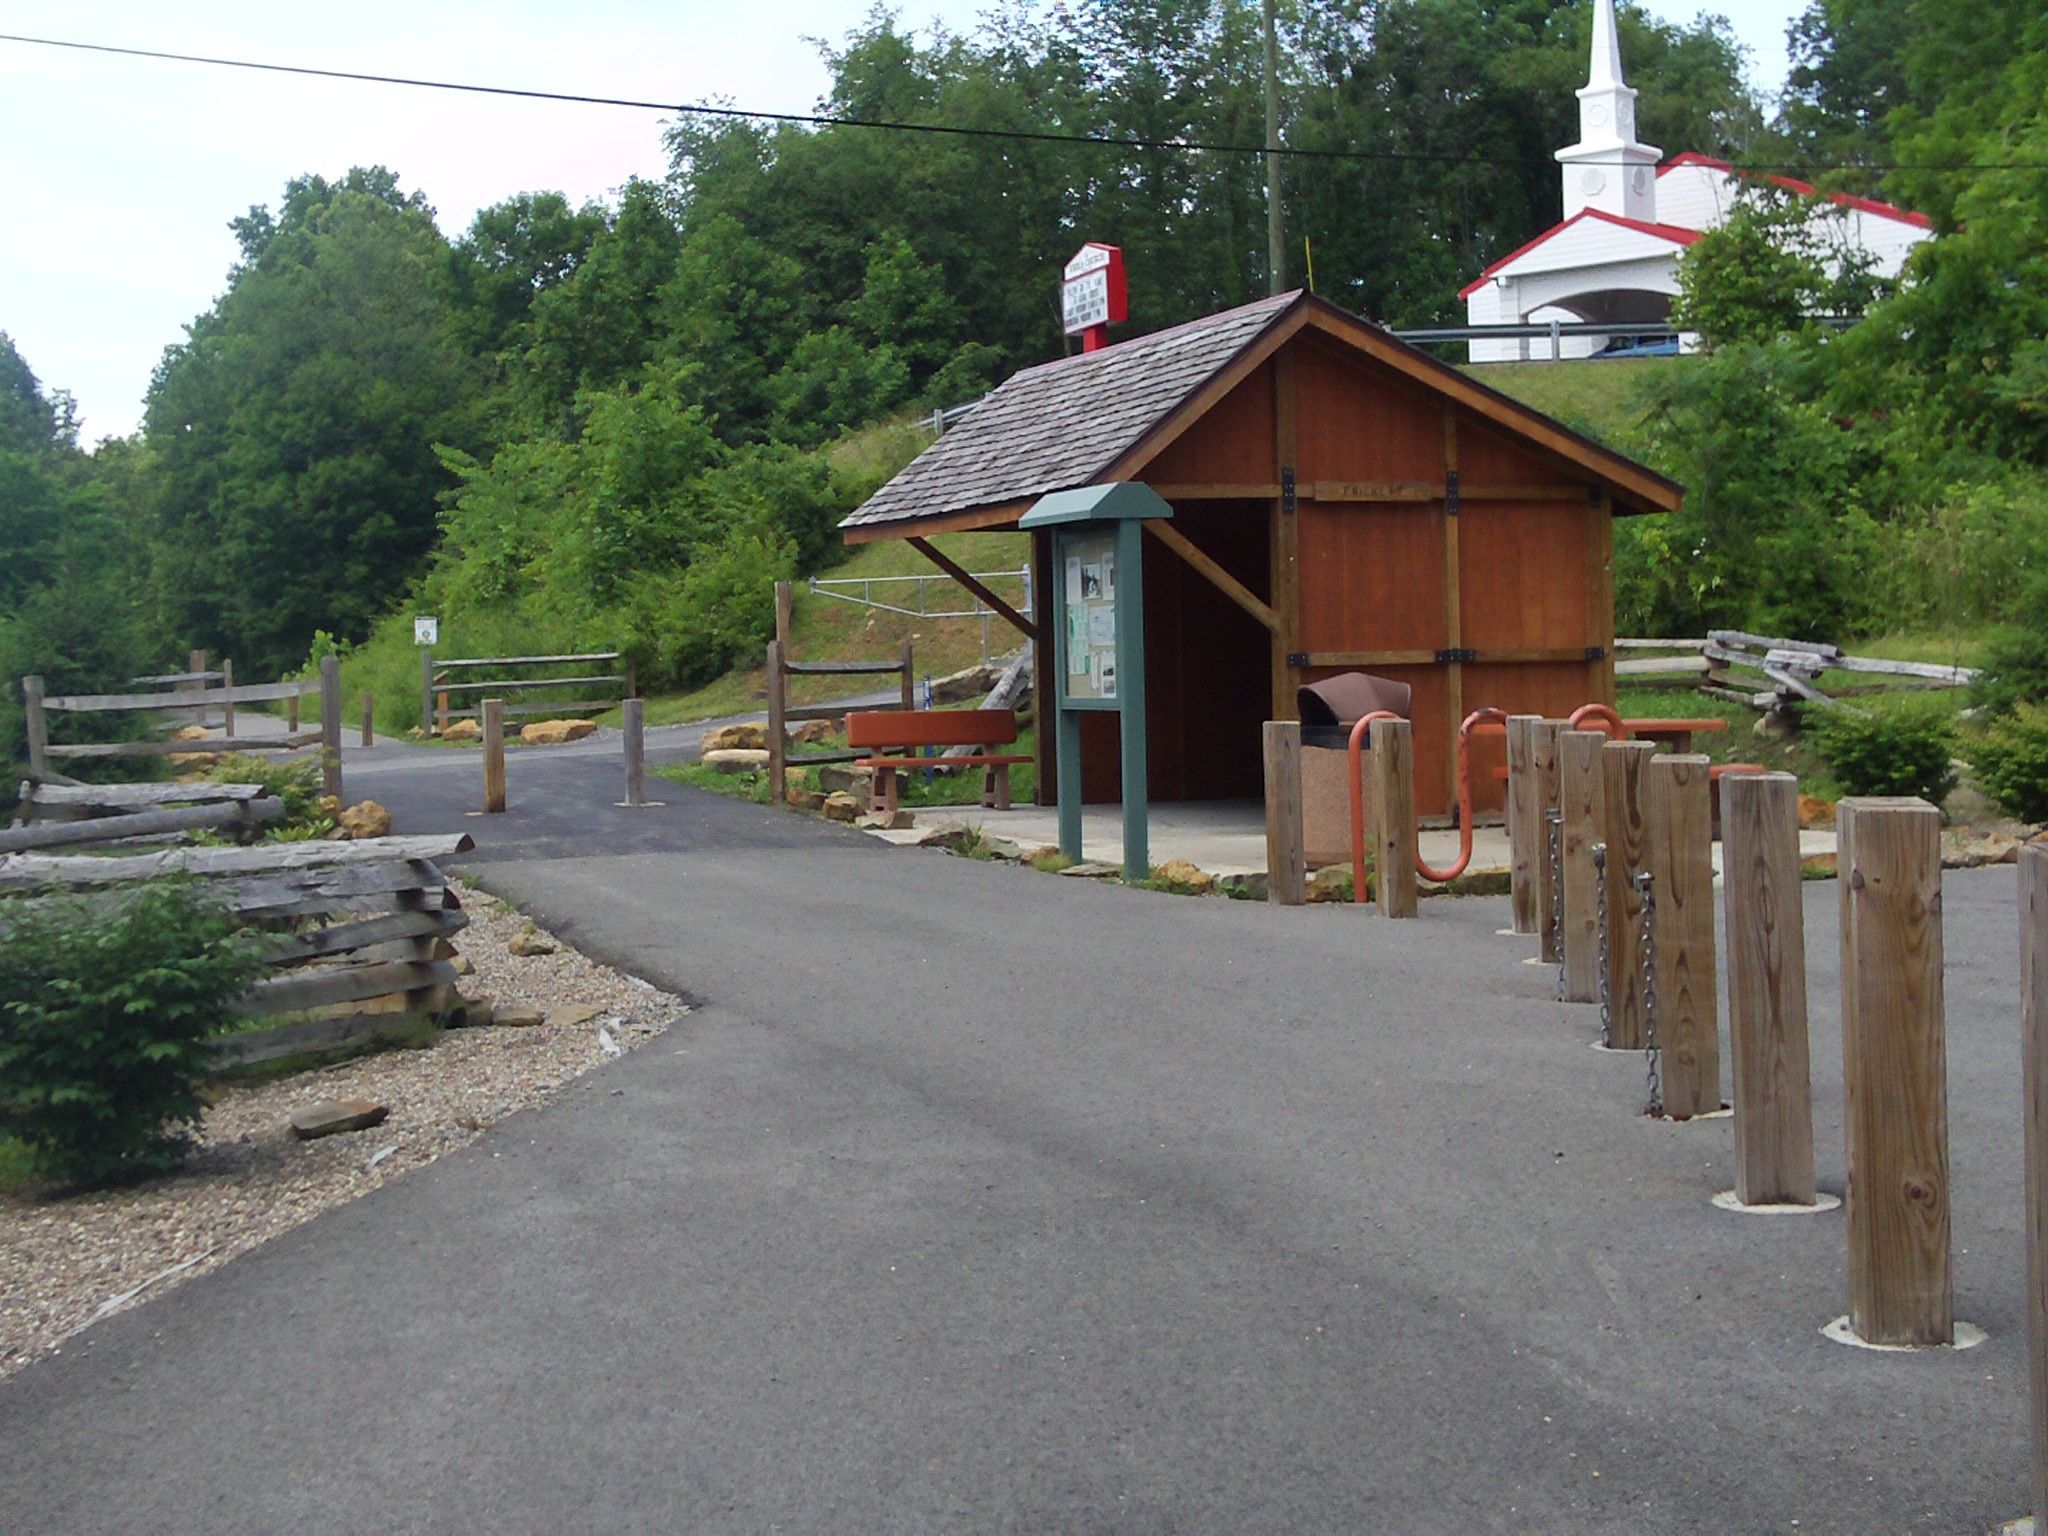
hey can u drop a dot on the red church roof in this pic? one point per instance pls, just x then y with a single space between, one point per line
1804 189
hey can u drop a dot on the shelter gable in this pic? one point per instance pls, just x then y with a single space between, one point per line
1359 420
1232 444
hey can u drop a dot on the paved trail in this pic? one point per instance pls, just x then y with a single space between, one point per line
977 1199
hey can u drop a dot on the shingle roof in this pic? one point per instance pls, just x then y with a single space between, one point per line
1062 423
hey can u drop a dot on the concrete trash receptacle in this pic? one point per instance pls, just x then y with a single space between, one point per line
1329 709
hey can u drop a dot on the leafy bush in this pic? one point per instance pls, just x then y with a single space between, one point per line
105 1005
2012 762
297 782
1900 749
2015 667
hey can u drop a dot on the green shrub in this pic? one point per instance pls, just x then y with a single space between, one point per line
105 1005
2012 762
2015 667
295 781
1896 749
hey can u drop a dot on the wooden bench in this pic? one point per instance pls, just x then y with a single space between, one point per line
899 730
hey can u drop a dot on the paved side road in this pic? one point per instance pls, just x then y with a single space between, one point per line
975 1199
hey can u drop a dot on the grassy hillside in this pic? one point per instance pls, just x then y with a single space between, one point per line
1596 398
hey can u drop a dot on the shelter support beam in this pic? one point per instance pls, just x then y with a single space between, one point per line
959 573
1213 573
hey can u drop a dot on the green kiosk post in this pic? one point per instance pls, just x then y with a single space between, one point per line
1098 611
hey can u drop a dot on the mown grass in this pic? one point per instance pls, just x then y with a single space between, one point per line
1599 399
916 789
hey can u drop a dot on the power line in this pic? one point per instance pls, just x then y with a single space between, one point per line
821 120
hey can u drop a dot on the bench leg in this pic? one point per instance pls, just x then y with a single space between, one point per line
885 791
1002 786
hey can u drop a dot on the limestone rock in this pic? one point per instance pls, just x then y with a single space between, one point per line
1817 864
804 800
747 736
517 1016
198 762
336 1116
471 1013
1816 812
530 941
365 819
808 733
1330 883
1092 871
571 1014
463 965
952 836
552 733
840 806
1968 848
737 760
968 683
1182 873
1770 725
1252 886
189 733
888 821
846 777
793 780
462 730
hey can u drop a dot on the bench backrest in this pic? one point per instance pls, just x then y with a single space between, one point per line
931 728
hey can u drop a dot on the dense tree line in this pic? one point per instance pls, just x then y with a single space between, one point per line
612 423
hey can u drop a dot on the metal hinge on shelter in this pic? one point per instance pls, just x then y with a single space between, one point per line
1457 653
1287 492
1451 493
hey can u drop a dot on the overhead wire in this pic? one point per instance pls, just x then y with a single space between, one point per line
955 130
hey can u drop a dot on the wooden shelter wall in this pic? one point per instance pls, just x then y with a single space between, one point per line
1360 422
1231 445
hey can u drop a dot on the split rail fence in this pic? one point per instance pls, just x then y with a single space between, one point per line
444 684
359 931
1785 672
781 712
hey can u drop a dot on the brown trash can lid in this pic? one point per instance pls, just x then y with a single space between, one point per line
1349 697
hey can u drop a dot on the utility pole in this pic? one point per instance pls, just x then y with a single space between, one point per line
1276 233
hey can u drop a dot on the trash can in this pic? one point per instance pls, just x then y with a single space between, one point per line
1329 709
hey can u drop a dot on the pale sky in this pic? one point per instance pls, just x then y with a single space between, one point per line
119 175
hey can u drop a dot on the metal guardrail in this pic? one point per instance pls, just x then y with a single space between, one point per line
839 589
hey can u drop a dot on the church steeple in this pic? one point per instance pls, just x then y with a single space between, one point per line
1608 169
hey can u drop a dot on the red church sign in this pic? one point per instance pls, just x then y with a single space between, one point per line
1092 295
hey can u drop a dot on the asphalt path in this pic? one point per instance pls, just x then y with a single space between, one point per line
977 1199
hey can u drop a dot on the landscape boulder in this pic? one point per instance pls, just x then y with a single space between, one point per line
517 1016
1816 812
1330 883
747 736
571 1014
365 819
968 683
189 733
845 776
462 730
809 733
840 806
552 733
336 1116
888 821
530 941
1188 876
737 760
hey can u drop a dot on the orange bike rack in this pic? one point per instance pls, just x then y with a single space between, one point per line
1479 717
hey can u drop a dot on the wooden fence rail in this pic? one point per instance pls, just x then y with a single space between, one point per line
437 685
375 964
781 712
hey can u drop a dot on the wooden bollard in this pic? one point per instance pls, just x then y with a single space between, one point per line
330 723
636 752
2034 1084
494 754
1543 737
1894 1062
227 708
1393 813
1525 826
1681 816
1767 989
426 693
1622 771
1582 799
1286 861
369 719
778 725
291 715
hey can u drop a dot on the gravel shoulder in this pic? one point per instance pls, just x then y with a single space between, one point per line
66 1263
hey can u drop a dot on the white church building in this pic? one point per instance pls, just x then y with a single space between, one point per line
1627 215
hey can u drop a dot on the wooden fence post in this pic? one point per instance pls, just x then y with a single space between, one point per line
1681 816
494 754
330 723
369 719
291 715
2034 1084
632 681
1286 865
1523 826
1582 799
909 676
1393 810
1628 855
195 661
441 709
37 727
1894 1061
636 752
1543 737
426 693
782 614
778 739
227 682
1767 989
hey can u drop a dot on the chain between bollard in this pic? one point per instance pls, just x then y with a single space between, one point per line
1606 1003
1652 1053
1554 821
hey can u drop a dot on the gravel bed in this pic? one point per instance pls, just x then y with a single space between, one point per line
65 1263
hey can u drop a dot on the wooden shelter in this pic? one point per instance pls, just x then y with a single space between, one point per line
1341 502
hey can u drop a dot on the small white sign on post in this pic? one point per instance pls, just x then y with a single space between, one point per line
1084 300
426 630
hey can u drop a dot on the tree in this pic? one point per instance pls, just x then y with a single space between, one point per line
1778 261
294 432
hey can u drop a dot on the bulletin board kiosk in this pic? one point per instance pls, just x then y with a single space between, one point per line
1098 611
